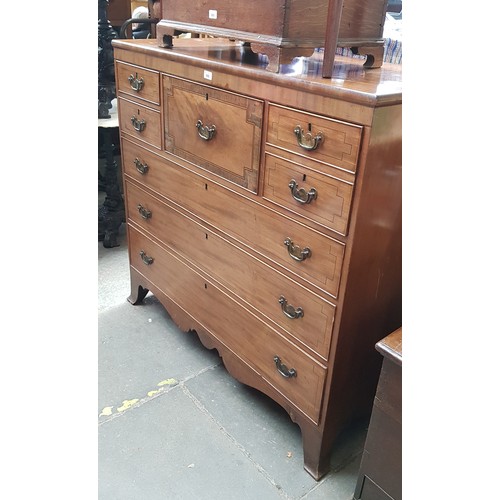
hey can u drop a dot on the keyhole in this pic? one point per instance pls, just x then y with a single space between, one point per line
309 127
138 111
304 178
206 97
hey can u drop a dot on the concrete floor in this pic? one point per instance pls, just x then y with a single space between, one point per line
173 424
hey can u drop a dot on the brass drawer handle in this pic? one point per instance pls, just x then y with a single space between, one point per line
145 214
142 168
139 125
289 311
145 258
136 83
307 140
296 252
301 195
283 370
206 132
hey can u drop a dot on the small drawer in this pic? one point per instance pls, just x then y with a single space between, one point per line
329 141
138 82
307 318
139 121
305 191
280 363
143 165
217 130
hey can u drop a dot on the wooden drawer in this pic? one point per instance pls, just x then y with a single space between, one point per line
308 192
232 324
141 122
338 146
217 130
143 165
260 286
138 82
258 227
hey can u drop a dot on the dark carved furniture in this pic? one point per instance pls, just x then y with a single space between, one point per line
111 214
105 64
264 212
381 469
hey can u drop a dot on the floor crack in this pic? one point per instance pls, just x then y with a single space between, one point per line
233 440
107 414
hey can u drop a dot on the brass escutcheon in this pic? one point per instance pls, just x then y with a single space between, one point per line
289 311
142 168
145 258
136 83
145 213
206 132
307 140
295 252
301 195
138 125
283 370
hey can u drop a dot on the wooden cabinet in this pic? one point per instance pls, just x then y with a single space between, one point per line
282 29
381 470
118 12
264 212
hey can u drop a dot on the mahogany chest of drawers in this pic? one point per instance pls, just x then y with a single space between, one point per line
264 212
281 29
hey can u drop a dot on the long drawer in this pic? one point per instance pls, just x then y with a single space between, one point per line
303 315
308 254
285 367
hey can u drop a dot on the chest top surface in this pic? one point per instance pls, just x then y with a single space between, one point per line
350 80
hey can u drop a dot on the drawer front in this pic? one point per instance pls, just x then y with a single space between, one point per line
304 315
259 228
232 324
141 122
217 130
138 82
308 192
329 141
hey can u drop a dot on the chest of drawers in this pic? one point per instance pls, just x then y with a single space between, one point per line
264 212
